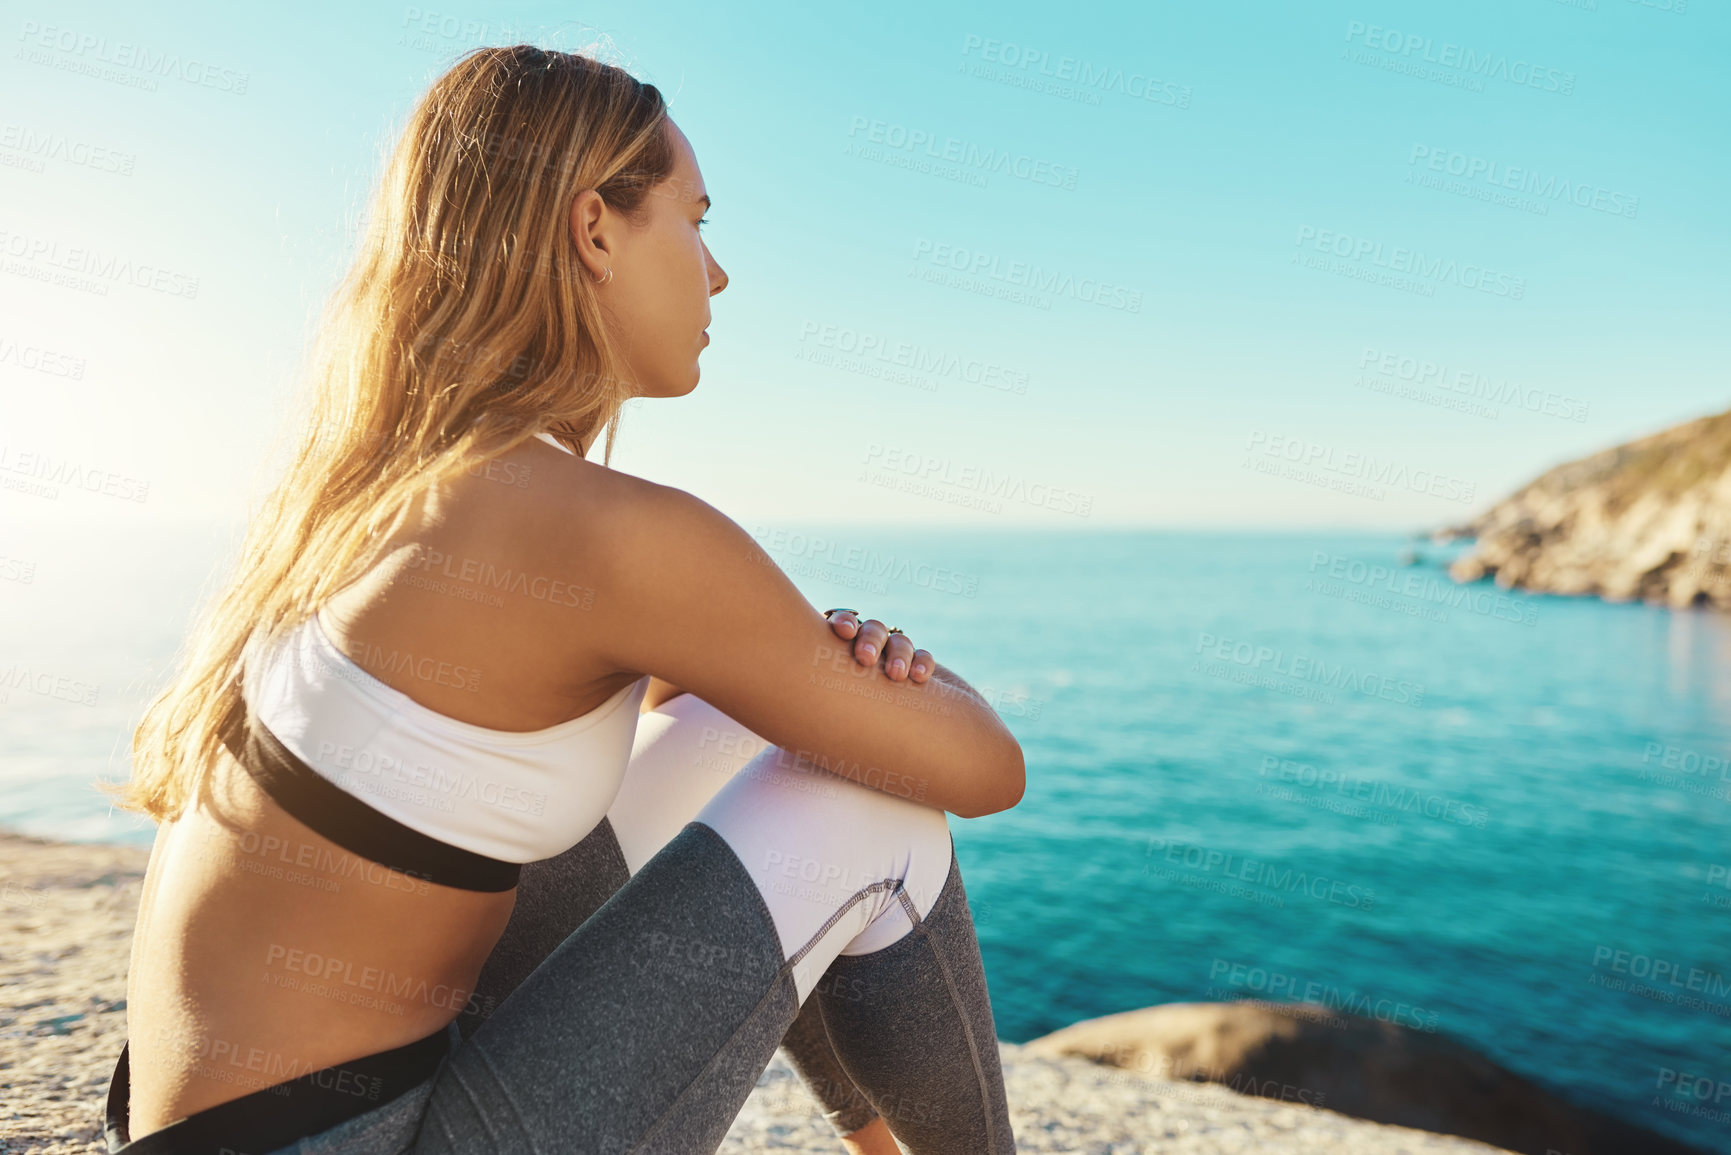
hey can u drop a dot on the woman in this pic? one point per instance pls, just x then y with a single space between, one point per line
429 670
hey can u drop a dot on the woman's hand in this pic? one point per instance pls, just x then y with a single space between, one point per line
871 638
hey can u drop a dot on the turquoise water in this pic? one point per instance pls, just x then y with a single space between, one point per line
1501 819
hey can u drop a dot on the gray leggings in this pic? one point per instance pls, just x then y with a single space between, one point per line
636 1013
557 895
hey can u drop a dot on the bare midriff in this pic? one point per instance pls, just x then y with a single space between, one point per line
269 951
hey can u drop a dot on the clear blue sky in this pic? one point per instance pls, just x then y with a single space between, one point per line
1277 135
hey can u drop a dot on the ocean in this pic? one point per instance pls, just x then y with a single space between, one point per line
1261 765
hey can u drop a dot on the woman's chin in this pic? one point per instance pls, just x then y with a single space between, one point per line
672 385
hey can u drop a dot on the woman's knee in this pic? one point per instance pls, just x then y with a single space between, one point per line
833 858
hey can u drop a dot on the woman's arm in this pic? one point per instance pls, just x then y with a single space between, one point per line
690 599
660 690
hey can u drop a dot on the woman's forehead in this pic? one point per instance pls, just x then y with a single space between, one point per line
684 183
685 170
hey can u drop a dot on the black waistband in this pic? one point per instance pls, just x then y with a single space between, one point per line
349 822
276 1116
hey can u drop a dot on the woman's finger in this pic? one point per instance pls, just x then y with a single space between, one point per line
845 623
923 666
869 642
898 656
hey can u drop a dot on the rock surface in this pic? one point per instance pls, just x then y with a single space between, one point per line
66 913
66 916
1307 1053
1648 520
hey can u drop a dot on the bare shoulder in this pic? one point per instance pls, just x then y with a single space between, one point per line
632 539
664 544
552 503
606 513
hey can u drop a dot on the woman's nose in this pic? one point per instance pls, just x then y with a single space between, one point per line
717 275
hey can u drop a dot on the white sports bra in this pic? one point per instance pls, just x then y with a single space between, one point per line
419 791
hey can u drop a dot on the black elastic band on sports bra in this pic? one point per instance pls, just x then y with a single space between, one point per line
276 1116
350 822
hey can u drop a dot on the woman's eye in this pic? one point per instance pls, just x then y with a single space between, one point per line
702 221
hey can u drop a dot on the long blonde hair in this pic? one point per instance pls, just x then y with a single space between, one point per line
465 326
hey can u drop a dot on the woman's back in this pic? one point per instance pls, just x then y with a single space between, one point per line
264 948
480 577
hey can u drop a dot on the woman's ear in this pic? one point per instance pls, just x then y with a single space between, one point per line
591 223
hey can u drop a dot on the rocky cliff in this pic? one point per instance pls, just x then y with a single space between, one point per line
1649 520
